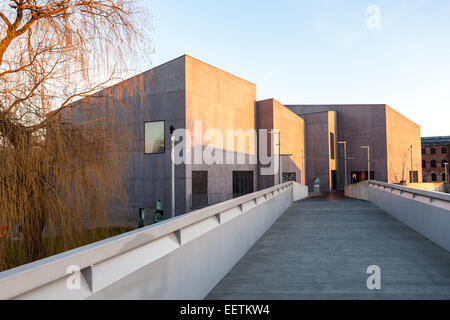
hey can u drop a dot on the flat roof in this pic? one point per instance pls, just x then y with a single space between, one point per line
436 140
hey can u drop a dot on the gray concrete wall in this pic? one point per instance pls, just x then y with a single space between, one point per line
158 94
357 191
221 101
149 175
358 125
427 212
317 141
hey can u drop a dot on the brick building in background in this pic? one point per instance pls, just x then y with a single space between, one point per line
435 154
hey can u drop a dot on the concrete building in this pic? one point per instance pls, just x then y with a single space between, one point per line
273 115
389 135
435 156
208 103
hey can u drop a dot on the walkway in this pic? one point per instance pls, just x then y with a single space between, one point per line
321 248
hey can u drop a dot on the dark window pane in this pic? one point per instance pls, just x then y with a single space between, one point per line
433 150
433 177
289 176
444 150
424 163
423 150
414 176
443 163
199 189
242 183
154 137
433 163
332 142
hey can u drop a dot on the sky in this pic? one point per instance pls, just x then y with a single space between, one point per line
394 52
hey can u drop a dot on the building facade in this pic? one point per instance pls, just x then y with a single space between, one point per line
375 133
435 159
233 144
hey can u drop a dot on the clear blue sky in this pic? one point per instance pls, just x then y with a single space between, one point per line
320 51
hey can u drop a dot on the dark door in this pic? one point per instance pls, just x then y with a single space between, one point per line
242 183
199 189
333 180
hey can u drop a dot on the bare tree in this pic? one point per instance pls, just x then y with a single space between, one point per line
57 179
397 168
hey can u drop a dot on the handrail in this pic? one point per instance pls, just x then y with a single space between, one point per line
33 275
430 194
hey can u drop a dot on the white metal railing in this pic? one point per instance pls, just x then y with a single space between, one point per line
427 212
433 198
52 272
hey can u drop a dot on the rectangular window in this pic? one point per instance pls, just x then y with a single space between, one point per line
242 183
423 150
414 176
444 150
154 137
359 176
199 189
433 150
289 176
424 163
433 163
332 142
443 163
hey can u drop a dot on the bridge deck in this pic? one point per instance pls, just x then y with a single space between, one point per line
321 248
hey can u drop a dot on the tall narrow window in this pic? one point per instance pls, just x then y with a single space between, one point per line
433 177
423 150
444 150
154 137
433 163
424 163
414 176
332 142
433 150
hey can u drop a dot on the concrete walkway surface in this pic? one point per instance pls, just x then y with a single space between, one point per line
321 249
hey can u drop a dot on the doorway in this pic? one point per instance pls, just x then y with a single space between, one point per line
199 189
333 180
242 183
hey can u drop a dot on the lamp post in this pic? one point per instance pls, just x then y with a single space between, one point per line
345 159
368 160
447 178
277 132
172 140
